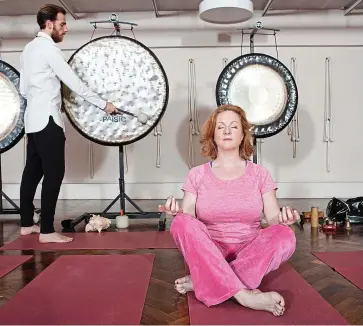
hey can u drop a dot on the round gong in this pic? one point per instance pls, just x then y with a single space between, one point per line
264 88
125 72
12 107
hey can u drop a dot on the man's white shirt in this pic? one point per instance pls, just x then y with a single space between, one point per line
43 67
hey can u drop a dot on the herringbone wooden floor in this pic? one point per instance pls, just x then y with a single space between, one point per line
163 304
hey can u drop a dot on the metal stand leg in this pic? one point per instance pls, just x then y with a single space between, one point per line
3 211
255 151
68 225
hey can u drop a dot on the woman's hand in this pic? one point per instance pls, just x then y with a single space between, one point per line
288 216
171 206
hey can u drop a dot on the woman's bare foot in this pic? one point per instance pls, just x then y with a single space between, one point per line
53 237
184 284
29 230
257 300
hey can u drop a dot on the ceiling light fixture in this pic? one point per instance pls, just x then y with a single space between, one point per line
225 11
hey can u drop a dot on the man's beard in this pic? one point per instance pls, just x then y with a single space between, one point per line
55 36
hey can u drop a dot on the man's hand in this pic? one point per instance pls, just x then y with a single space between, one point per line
110 108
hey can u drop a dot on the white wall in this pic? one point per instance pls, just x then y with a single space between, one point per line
304 176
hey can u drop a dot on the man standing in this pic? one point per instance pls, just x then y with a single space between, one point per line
43 67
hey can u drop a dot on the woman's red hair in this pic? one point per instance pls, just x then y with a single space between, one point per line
209 148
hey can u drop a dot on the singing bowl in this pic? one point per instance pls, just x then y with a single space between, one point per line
125 72
12 107
264 88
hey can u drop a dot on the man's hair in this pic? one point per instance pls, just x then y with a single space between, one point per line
48 12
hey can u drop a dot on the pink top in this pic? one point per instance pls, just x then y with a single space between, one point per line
231 209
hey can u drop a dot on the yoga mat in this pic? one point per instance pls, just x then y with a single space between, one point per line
83 290
9 263
349 264
304 306
95 240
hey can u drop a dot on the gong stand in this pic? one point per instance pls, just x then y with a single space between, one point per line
253 31
68 225
16 209
11 75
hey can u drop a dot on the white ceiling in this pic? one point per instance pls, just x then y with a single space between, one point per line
30 7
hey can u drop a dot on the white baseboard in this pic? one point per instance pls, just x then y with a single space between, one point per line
163 190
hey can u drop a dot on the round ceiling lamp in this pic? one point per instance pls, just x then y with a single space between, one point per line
225 11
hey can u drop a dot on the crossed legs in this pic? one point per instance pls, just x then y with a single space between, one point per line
222 271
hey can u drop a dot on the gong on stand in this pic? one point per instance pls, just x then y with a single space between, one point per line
263 87
127 73
12 108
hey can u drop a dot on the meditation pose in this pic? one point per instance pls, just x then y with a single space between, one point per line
218 226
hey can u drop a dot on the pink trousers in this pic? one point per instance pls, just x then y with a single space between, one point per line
220 270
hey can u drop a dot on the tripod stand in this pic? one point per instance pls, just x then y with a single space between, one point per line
3 211
68 225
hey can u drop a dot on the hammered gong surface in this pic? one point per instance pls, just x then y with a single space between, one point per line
12 107
122 71
264 88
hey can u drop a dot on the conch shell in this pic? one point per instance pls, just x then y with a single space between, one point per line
98 223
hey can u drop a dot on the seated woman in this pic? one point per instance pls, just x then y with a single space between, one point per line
218 226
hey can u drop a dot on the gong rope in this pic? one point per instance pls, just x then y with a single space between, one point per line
90 143
225 61
157 133
90 159
328 113
194 128
293 127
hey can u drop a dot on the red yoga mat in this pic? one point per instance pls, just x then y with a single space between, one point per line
95 240
9 263
349 264
304 306
84 290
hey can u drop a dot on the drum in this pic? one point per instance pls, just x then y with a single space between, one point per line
264 88
125 72
12 107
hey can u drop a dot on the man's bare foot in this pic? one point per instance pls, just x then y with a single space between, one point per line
257 300
53 237
184 284
29 230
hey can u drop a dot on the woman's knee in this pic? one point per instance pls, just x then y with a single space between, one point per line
183 223
284 238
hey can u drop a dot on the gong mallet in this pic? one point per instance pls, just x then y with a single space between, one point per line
141 117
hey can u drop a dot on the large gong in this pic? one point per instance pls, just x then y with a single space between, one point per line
125 72
264 88
12 107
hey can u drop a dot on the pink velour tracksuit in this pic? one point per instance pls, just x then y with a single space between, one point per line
225 247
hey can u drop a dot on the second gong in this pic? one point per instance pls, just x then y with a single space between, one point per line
264 88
